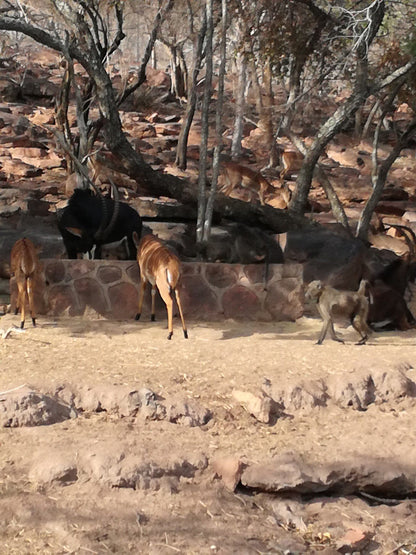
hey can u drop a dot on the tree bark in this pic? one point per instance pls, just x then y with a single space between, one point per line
239 106
336 206
203 151
218 126
181 159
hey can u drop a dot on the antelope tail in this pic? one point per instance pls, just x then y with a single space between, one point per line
169 279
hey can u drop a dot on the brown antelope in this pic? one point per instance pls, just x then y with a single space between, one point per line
24 264
281 197
160 267
236 175
291 161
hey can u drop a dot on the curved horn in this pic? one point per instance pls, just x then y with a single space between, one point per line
408 232
102 233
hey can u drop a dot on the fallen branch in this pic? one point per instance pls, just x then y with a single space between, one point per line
13 389
381 500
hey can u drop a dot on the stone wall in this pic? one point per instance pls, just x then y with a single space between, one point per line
209 291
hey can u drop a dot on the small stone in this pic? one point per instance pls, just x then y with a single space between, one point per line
354 540
262 407
229 469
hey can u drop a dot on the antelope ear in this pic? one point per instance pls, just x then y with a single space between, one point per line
136 239
74 231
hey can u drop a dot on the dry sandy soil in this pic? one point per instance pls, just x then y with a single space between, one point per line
195 514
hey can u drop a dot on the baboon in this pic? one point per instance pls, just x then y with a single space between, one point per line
332 302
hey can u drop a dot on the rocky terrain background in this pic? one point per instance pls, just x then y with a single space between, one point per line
245 438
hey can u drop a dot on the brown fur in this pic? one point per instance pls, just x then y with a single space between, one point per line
291 161
353 305
236 175
24 264
160 267
280 198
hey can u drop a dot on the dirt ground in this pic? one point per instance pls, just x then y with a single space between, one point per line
199 515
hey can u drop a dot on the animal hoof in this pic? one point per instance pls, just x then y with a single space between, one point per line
185 333
170 335
153 319
137 317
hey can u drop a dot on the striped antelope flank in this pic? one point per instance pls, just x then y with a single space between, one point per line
281 197
236 175
24 264
161 268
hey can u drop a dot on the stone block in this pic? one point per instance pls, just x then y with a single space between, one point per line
198 300
27 152
221 275
109 274
132 271
258 273
62 298
90 295
188 268
124 300
290 270
240 302
81 268
284 299
55 271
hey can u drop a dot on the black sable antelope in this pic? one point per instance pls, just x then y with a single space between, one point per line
90 220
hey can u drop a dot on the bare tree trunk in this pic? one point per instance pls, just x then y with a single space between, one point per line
202 178
256 86
154 58
267 115
183 90
181 160
293 94
336 206
61 110
239 106
373 111
178 70
218 126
